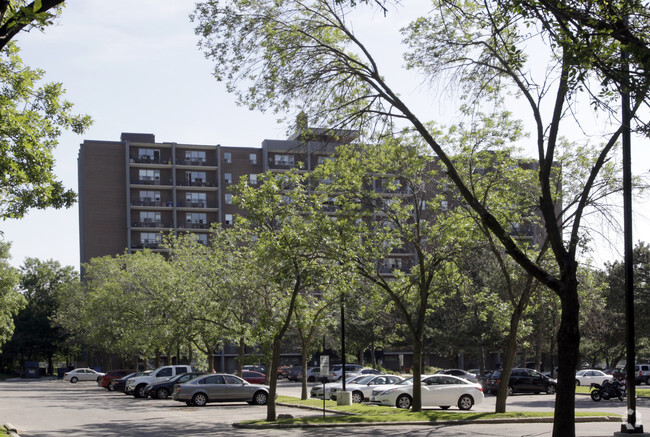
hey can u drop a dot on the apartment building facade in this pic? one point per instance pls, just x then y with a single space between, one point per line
135 190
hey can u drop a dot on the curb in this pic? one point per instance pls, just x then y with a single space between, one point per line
441 422
12 430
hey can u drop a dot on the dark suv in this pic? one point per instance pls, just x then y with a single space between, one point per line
522 380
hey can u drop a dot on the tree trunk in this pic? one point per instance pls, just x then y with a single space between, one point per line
508 361
417 373
303 362
568 342
242 352
273 380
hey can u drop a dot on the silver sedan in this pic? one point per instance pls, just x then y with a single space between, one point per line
220 388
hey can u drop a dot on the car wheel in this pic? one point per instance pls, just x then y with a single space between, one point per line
260 398
162 393
357 397
110 388
74 379
465 402
139 391
445 407
311 379
510 391
577 383
199 400
404 401
550 389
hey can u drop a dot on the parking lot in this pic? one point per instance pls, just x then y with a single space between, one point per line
57 408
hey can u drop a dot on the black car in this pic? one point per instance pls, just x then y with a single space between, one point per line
162 389
522 381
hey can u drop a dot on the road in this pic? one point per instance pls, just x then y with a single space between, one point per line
55 408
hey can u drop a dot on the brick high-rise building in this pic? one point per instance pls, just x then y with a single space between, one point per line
133 191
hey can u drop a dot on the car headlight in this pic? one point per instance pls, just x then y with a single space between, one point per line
387 392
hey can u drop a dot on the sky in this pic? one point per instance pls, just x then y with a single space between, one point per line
134 66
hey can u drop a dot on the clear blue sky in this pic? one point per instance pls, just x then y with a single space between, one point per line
134 66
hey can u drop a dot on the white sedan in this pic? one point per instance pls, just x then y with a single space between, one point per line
591 376
361 389
317 390
437 391
82 374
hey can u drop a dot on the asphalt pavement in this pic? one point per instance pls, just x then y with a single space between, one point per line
42 408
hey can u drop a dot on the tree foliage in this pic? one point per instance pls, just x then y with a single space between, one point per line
11 302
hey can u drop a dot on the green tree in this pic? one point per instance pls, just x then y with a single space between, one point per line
386 204
19 15
305 55
11 301
32 116
37 337
288 249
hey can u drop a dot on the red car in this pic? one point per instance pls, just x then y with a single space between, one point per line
253 377
113 374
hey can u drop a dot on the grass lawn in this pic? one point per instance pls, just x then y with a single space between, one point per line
3 431
358 413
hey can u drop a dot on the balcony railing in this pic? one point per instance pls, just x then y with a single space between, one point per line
197 226
149 202
195 184
150 224
193 204
196 162
147 181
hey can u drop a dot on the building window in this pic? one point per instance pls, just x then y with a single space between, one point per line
284 160
227 157
252 157
202 239
253 179
150 239
146 155
228 219
194 157
196 220
150 198
149 218
228 178
196 200
195 177
229 199
149 176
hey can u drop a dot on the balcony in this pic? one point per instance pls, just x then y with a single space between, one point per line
147 181
197 183
146 244
193 204
150 224
197 226
149 202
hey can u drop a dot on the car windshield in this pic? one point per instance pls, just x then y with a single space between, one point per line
365 380
354 379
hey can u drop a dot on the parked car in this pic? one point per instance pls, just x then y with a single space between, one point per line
253 377
616 373
120 383
320 390
82 374
313 374
220 388
293 372
523 380
113 374
362 389
137 385
592 376
642 373
163 389
337 371
459 373
437 390
364 371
